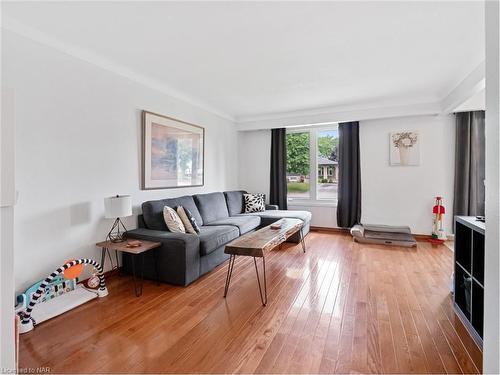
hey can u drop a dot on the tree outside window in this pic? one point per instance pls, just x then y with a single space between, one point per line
298 165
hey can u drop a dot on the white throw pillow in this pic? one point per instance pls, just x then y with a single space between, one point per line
185 220
173 221
254 203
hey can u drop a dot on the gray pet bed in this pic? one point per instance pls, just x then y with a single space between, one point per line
383 235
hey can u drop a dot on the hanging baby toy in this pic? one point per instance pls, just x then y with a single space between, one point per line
58 293
438 232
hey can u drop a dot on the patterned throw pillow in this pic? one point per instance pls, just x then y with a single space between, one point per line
192 220
185 220
254 202
173 221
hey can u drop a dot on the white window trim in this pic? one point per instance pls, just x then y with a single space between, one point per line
313 203
313 200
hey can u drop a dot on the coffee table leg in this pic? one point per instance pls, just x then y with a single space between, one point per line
262 298
138 287
302 241
229 273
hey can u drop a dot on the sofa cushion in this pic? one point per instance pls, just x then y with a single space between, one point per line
279 214
244 223
235 201
152 211
211 206
213 237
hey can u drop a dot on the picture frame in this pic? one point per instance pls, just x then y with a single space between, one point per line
404 148
173 153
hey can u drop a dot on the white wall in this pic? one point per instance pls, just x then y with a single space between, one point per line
78 141
397 195
322 216
7 202
254 150
390 195
491 345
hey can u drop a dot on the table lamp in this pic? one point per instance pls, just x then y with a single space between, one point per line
114 208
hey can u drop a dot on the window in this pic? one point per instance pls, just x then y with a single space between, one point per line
297 165
312 164
328 141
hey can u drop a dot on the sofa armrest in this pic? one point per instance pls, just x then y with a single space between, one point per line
271 207
162 236
178 256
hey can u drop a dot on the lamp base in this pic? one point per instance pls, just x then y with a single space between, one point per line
115 235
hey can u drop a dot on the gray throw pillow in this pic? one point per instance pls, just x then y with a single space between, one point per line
192 220
181 211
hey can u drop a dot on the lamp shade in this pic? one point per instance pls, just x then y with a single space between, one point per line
117 206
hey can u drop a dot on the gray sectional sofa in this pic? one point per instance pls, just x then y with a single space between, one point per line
183 257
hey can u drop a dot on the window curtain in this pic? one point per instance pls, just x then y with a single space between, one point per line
349 182
277 193
469 164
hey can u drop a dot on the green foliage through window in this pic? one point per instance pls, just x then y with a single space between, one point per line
328 146
297 148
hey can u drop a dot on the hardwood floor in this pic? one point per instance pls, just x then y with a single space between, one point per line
340 308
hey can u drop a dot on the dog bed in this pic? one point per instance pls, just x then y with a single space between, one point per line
383 235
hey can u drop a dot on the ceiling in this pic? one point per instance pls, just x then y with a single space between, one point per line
254 58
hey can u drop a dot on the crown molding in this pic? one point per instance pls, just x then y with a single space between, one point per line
468 87
14 26
335 114
471 85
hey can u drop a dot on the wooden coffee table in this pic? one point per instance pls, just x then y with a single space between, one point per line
137 251
257 243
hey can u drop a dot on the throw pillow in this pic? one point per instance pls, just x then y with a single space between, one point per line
185 220
254 202
192 220
173 221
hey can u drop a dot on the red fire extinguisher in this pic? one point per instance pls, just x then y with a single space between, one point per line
438 232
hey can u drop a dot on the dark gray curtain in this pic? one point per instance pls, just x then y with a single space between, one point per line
349 188
277 191
469 164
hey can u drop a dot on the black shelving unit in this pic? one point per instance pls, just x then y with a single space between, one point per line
469 274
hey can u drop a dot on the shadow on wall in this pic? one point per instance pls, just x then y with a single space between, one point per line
79 213
43 224
63 219
65 233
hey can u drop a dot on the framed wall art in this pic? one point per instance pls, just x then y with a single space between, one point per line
172 152
405 148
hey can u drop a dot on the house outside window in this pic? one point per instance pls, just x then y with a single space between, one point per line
312 164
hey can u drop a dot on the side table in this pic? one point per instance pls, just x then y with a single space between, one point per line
135 252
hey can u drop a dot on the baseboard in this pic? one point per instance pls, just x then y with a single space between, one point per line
329 229
106 275
422 237
418 237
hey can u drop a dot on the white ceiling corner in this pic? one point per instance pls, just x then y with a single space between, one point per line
107 64
262 61
469 93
